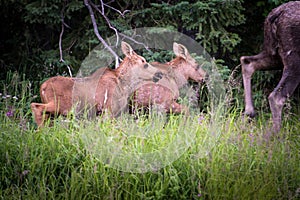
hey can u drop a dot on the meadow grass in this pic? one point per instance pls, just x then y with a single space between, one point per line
72 159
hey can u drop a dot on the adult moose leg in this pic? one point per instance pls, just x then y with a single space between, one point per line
285 88
280 48
250 64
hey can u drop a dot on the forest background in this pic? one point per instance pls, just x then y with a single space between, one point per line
40 39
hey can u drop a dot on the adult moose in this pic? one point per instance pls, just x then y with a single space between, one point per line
165 93
281 50
57 93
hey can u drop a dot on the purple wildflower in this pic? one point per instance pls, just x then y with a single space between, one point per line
10 112
200 119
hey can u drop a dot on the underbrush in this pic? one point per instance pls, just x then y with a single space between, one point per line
59 162
150 157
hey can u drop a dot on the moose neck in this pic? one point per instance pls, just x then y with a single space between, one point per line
123 67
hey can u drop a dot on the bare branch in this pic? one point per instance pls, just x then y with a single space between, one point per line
60 45
63 24
66 25
110 2
101 9
61 34
71 45
118 11
102 12
87 4
135 41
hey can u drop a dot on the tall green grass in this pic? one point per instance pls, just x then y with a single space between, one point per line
237 163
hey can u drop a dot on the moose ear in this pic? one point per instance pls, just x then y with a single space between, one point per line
180 50
126 49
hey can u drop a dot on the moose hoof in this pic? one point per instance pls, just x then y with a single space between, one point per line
250 114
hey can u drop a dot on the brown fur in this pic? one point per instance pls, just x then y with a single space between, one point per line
59 94
165 92
281 50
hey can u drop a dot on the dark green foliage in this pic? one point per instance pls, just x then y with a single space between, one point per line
31 29
31 33
206 21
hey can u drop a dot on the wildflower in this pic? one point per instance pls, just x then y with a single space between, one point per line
10 113
199 195
200 119
6 96
25 172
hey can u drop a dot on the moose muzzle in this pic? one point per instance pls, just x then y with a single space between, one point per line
157 76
